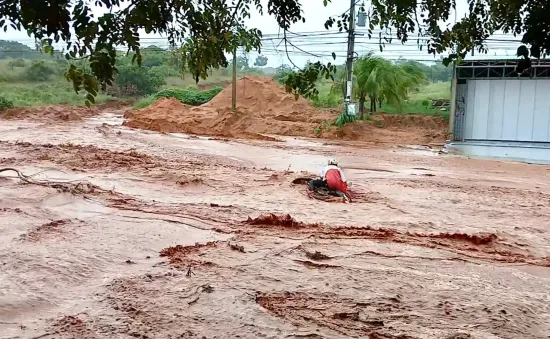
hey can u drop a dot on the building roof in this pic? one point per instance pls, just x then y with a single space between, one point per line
502 68
486 57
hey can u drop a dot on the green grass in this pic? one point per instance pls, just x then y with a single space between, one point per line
55 92
413 107
145 101
436 90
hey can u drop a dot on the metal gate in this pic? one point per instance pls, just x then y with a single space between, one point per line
508 110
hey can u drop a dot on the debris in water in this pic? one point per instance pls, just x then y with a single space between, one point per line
277 220
476 239
236 247
317 255
178 255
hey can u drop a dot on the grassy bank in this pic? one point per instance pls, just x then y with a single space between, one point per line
417 103
55 92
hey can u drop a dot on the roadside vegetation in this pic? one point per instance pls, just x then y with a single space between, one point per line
401 87
29 78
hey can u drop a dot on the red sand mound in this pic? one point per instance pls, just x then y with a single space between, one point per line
50 113
263 108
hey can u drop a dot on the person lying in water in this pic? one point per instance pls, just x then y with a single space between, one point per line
333 178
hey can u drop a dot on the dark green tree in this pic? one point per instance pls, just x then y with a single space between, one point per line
261 61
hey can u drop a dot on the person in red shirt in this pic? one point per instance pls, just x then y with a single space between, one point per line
333 178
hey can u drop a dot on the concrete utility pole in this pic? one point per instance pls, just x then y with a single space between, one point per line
234 85
350 55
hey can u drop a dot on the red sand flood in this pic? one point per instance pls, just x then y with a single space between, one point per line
115 232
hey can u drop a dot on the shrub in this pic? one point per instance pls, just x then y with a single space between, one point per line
133 80
38 71
189 96
5 104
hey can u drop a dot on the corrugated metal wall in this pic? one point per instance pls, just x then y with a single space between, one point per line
507 110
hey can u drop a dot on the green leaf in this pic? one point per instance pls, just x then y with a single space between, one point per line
333 55
90 98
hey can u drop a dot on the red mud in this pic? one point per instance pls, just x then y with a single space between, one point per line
81 158
278 220
177 255
481 246
73 327
457 259
265 108
50 113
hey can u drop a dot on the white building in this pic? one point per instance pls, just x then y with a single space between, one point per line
496 113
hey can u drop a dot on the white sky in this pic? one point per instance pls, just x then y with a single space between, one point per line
316 15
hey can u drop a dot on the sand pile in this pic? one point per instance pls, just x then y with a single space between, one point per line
50 113
264 107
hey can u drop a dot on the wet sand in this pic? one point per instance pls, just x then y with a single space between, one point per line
173 236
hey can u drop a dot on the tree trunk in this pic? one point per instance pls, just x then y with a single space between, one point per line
361 107
380 103
372 105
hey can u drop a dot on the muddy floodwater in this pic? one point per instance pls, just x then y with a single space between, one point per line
111 232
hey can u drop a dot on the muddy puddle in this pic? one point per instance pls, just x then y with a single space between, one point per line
110 232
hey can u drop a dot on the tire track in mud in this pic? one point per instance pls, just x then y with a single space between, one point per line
484 246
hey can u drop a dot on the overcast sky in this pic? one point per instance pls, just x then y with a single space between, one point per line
319 45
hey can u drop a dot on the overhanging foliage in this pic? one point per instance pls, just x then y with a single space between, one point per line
203 31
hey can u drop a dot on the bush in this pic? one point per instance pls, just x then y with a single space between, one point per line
38 71
189 96
133 80
5 104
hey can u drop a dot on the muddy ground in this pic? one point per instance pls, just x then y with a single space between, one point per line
121 233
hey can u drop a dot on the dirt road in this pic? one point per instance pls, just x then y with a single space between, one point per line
134 234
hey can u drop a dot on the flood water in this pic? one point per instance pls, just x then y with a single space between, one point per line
122 233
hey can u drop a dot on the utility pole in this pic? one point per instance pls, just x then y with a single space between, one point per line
234 85
350 55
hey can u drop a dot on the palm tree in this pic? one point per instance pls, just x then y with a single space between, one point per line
380 81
